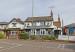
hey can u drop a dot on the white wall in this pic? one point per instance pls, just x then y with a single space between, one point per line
2 26
28 24
18 25
48 23
38 23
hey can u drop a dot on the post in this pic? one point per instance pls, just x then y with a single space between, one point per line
32 15
32 8
62 27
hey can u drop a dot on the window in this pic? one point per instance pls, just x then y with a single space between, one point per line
1 26
28 24
43 32
47 23
34 23
13 33
24 24
44 22
14 24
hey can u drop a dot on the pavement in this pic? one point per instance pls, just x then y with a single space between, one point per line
35 46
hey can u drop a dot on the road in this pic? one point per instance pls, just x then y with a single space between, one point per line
34 46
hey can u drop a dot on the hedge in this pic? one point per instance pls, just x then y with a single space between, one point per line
48 37
2 35
24 35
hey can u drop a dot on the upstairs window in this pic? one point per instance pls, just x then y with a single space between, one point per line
42 23
1 26
28 25
24 24
14 24
47 23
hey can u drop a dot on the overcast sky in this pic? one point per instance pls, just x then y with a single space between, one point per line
23 9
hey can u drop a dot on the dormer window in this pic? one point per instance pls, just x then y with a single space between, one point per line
14 24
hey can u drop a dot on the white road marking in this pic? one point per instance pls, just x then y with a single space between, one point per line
9 43
61 46
42 46
11 47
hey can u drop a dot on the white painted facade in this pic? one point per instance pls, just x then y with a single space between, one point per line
3 26
44 27
12 24
26 24
39 27
42 23
17 25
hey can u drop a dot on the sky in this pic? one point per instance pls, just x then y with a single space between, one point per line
23 8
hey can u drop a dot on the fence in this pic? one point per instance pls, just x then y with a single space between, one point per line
66 37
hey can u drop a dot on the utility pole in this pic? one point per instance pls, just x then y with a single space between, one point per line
32 8
32 17
62 27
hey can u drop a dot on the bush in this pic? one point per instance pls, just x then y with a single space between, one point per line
23 35
52 37
56 35
2 35
32 37
48 37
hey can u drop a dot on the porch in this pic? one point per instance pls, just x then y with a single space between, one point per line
40 31
13 33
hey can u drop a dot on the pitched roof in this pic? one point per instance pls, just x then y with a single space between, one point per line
41 18
3 23
17 20
71 25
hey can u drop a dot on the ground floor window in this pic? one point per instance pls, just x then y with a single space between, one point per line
49 32
38 31
13 32
57 32
43 32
